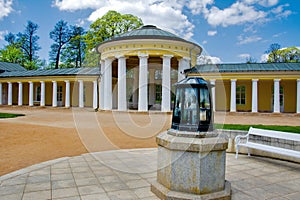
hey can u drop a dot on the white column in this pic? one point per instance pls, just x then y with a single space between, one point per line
143 82
184 63
108 84
213 93
298 96
276 108
81 100
233 96
166 84
20 94
67 97
254 95
9 99
0 93
30 93
135 87
54 93
152 86
101 103
95 97
122 103
42 103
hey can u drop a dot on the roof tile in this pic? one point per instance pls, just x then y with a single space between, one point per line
244 67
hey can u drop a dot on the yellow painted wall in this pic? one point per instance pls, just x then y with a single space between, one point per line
248 106
74 93
88 94
15 89
151 47
48 93
15 93
4 93
25 93
48 90
222 90
34 91
289 91
265 95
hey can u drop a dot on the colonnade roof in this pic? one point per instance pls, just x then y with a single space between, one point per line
244 67
5 66
87 71
147 32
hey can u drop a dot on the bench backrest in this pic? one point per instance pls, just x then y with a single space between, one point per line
274 134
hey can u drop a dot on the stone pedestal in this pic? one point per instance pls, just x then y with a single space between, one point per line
191 166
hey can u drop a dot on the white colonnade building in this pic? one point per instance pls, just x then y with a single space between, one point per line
137 72
68 87
138 69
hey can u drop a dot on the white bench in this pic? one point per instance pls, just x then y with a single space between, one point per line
246 141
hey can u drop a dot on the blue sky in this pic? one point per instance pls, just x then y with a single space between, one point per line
229 31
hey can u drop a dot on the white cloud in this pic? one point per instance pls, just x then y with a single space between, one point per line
237 13
204 42
266 3
198 7
264 58
5 8
245 12
280 12
2 34
279 34
164 14
171 14
72 5
279 9
80 22
211 33
205 59
248 39
244 55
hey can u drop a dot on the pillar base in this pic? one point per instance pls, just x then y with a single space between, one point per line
191 165
164 193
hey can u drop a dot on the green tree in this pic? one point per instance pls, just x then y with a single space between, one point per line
25 43
73 54
12 54
61 34
277 54
11 39
91 58
109 25
290 54
250 60
273 52
28 41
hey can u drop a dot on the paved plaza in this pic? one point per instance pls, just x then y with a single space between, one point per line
127 174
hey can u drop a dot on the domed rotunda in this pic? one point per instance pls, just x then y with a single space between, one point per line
139 67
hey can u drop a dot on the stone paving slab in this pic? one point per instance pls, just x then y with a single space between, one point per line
127 174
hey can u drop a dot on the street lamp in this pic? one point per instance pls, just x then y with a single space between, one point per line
191 155
192 106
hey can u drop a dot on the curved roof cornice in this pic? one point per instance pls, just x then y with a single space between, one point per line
147 32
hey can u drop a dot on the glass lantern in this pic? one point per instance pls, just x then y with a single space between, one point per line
192 106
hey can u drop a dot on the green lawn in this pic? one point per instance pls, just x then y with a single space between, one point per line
293 129
9 115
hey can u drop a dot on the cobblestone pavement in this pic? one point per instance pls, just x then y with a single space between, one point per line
127 174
